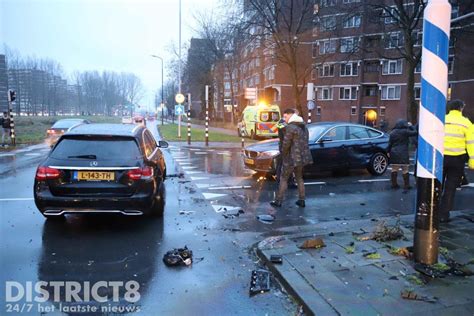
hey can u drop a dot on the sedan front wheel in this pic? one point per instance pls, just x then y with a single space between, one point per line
378 164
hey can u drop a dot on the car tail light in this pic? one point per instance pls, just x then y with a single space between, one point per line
47 173
140 173
50 131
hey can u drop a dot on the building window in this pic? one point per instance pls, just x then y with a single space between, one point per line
349 44
328 3
327 23
313 73
227 85
394 40
391 15
353 110
318 110
418 67
382 111
371 66
392 67
391 92
370 91
349 69
417 93
450 64
326 70
257 79
325 93
417 38
315 50
348 93
327 47
351 22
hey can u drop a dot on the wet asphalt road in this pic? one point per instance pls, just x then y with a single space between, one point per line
205 188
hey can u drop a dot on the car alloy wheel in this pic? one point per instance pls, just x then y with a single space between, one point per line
379 163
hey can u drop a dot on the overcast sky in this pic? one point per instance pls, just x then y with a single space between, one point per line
114 35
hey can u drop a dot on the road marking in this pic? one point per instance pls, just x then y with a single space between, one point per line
314 183
223 208
33 154
231 187
195 149
200 152
184 163
182 159
470 185
188 168
209 196
202 185
226 153
16 199
373 180
193 172
199 178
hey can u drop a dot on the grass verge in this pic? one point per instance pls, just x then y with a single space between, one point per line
170 133
32 129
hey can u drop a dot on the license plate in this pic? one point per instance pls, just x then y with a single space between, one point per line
249 161
95 176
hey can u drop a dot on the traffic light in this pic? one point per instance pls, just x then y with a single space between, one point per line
11 95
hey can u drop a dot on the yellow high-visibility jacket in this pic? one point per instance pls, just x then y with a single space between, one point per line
459 136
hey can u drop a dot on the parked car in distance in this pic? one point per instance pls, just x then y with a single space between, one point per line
102 168
60 127
333 145
139 120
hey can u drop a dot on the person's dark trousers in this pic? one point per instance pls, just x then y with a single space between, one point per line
285 174
453 169
279 166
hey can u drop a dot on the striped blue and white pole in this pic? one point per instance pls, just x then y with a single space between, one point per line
434 87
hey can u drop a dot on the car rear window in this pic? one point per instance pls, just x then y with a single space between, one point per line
123 149
269 116
66 123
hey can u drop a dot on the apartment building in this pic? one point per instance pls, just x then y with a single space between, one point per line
359 74
3 85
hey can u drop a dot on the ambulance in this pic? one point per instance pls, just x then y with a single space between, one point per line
259 121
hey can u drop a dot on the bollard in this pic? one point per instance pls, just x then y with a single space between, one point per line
207 116
243 140
309 117
12 127
434 87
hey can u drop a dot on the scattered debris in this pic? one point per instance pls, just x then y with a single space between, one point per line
276 258
384 232
260 282
393 277
357 233
372 255
186 212
270 241
415 280
349 249
406 252
412 295
178 256
266 218
312 244
440 270
331 234
231 212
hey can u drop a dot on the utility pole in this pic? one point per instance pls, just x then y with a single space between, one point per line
434 87
179 68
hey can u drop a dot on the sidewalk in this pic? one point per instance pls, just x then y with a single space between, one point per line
211 128
338 280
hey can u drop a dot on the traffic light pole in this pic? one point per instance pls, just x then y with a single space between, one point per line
11 97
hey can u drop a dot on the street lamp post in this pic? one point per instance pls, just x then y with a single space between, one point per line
162 99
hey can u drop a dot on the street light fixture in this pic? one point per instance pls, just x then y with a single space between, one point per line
162 99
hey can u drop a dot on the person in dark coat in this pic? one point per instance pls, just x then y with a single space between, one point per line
398 152
281 135
295 155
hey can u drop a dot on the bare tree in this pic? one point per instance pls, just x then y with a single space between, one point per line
400 21
284 28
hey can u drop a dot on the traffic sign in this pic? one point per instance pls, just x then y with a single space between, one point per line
179 98
179 109
311 105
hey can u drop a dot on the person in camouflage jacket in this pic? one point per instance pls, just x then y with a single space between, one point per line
295 154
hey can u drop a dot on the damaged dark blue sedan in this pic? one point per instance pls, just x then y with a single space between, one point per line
333 145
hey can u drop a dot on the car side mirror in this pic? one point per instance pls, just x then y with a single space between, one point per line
325 139
163 144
